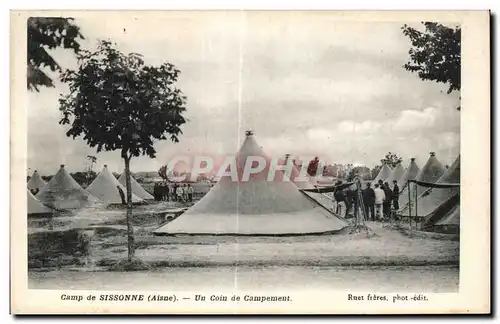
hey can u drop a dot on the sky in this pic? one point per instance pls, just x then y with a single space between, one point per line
305 83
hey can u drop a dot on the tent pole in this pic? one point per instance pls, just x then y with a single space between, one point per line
409 202
356 211
416 207
360 217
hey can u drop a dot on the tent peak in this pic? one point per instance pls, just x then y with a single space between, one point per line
249 132
105 165
62 165
412 159
432 153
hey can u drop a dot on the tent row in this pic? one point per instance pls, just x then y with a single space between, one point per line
261 207
62 192
430 194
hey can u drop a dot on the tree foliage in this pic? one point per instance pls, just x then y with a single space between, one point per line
358 171
117 102
47 178
84 178
391 159
48 33
435 53
92 159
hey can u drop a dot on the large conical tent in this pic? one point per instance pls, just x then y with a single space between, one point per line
105 188
431 172
410 173
383 174
36 182
63 192
35 207
137 189
432 198
396 175
255 206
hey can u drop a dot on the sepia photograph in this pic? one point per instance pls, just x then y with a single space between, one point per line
207 157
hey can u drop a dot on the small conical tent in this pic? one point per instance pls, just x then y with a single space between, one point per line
396 175
35 207
137 189
105 187
36 182
384 172
430 173
410 173
254 206
63 192
432 198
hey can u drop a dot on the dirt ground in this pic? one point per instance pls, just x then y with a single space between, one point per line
78 251
95 239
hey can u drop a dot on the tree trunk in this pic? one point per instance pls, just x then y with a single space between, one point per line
130 229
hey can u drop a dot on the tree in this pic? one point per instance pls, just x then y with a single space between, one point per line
46 33
358 171
391 159
92 160
435 54
117 102
84 178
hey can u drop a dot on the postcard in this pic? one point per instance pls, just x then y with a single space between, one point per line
250 162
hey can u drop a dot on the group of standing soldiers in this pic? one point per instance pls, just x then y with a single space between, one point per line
164 191
378 202
344 196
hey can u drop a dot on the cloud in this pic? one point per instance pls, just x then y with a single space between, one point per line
365 127
319 134
447 140
409 120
